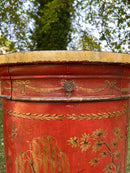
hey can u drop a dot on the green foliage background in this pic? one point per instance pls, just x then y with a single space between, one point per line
66 24
106 21
52 24
8 44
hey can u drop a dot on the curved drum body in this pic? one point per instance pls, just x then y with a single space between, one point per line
67 116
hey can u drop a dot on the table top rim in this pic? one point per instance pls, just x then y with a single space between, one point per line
64 56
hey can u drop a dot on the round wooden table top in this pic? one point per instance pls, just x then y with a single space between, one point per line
64 56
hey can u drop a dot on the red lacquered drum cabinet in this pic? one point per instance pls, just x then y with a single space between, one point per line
65 111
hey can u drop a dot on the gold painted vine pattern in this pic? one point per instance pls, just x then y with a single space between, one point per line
80 117
22 85
97 144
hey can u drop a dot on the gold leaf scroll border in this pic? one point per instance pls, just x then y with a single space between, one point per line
53 117
26 84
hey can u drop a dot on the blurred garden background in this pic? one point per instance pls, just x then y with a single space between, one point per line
93 25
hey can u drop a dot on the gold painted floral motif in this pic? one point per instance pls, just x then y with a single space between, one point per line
118 133
117 154
99 133
94 161
43 155
109 168
97 146
80 117
114 143
74 142
96 142
104 154
84 142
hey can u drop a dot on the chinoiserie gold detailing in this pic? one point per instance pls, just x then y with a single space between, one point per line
97 142
14 130
122 89
31 116
79 117
23 85
110 85
74 142
117 132
93 90
43 155
26 84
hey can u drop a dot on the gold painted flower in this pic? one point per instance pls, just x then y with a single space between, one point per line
94 162
104 154
114 143
117 132
117 154
109 168
97 146
85 144
121 136
74 142
99 133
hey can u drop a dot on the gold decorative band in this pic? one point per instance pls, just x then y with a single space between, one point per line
111 85
79 117
23 85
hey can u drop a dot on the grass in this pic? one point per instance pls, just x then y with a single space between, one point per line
2 159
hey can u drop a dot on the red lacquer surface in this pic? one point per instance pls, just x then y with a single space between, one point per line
51 133
50 130
47 81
